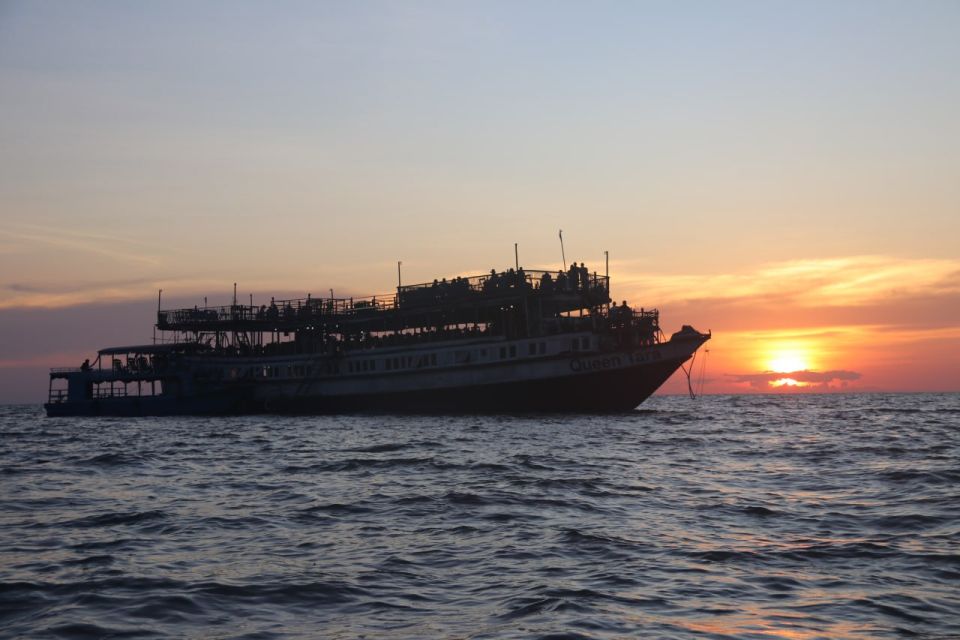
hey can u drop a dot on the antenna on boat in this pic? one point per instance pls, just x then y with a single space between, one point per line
606 254
159 296
516 257
234 294
399 282
564 255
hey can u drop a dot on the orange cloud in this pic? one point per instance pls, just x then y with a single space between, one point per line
855 280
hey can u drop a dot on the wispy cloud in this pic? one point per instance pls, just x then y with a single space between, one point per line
847 281
117 248
68 293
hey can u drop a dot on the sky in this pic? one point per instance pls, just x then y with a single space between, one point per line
784 174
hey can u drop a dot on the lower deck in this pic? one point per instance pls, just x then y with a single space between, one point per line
562 373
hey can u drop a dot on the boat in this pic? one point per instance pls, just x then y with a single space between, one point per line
505 341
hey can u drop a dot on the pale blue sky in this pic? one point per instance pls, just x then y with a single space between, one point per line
424 129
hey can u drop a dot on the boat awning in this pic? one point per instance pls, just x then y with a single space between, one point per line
153 348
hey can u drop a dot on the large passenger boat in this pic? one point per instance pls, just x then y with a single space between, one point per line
506 341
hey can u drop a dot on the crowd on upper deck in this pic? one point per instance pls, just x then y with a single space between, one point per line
576 279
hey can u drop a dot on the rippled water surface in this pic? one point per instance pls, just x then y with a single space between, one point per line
749 517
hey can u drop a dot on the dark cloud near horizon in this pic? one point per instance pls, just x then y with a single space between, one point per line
815 378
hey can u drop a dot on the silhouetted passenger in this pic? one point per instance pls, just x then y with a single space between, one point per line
85 366
546 283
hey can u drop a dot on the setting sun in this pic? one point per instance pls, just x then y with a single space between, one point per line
787 382
788 361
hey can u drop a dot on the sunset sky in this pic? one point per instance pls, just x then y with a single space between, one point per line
786 175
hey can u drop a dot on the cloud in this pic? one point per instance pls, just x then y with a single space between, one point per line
66 293
807 378
63 288
810 283
119 249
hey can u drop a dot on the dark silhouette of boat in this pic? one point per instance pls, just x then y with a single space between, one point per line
502 342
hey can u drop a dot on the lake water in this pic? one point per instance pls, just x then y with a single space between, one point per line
813 516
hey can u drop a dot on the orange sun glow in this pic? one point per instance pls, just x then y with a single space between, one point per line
788 360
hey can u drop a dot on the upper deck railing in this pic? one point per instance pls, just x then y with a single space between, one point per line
505 283
439 292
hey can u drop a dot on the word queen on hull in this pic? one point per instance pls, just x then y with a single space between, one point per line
510 341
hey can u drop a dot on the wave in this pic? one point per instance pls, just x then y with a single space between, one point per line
114 519
360 464
114 459
81 630
934 477
335 508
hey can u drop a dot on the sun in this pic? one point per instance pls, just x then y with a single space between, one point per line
787 382
788 360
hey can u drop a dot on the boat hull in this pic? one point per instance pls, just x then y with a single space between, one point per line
601 391
594 382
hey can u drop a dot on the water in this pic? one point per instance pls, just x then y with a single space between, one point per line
740 516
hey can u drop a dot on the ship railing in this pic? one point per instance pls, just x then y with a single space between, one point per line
65 369
111 391
507 283
278 311
643 324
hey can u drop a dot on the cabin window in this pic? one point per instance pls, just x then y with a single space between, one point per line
386 363
503 352
433 359
575 344
585 342
543 348
513 351
532 349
